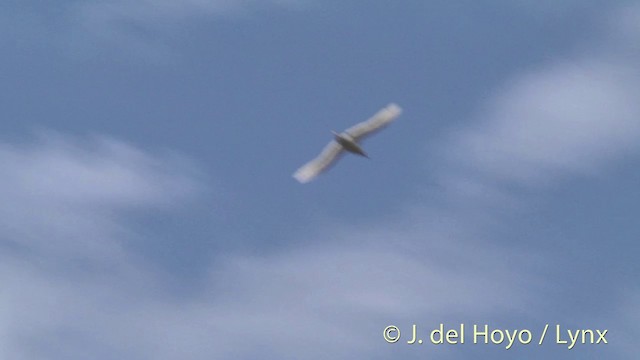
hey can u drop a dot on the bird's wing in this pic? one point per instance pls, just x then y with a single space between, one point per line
378 121
313 168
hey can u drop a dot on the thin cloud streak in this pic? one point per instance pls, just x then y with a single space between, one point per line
116 16
130 29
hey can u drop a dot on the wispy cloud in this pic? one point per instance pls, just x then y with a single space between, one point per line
127 19
334 298
567 117
571 117
72 289
157 12
59 196
64 229
331 299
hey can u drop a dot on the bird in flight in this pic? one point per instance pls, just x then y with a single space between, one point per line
347 141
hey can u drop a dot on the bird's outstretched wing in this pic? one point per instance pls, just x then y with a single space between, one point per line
378 121
322 162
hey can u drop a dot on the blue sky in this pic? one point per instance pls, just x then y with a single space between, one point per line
148 209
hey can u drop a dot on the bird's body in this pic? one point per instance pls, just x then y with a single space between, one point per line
347 140
349 143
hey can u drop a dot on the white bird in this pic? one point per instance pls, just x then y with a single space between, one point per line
347 140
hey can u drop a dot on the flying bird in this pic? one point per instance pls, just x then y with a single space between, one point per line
347 141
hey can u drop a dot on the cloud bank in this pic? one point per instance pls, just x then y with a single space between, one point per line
72 290
64 208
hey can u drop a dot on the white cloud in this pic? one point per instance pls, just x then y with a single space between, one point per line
62 232
568 117
71 291
60 196
334 299
331 300
577 116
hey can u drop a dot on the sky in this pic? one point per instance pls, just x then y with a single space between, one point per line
147 208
